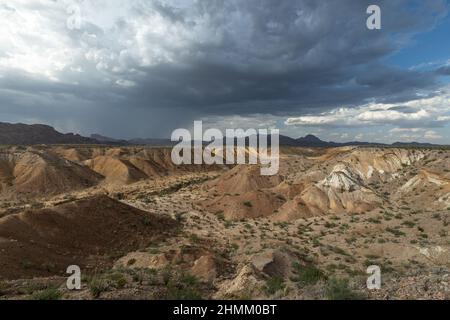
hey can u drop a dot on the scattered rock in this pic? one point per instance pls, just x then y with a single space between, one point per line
140 260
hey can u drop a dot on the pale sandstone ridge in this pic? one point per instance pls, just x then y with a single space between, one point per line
382 163
423 179
342 191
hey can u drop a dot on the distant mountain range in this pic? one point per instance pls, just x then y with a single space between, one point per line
23 134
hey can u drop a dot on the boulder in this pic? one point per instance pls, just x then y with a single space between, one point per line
205 269
273 263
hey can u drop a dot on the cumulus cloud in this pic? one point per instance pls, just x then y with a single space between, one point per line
425 112
413 134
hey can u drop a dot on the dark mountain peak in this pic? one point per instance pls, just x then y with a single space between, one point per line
313 141
412 144
310 138
24 134
107 140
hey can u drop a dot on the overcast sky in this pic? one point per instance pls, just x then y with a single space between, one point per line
136 68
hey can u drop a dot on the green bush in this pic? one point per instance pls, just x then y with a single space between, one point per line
248 204
307 275
183 287
338 289
274 284
395 232
97 286
175 292
47 294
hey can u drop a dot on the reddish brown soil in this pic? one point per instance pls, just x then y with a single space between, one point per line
89 233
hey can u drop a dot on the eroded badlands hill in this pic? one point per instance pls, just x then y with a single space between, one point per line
85 232
36 172
339 181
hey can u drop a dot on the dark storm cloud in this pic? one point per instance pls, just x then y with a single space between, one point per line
297 56
228 57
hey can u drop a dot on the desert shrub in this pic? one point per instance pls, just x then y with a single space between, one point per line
338 250
119 196
189 279
228 224
175 292
183 287
26 264
374 220
307 275
47 294
248 204
117 280
37 205
97 286
409 224
146 221
3 288
194 238
330 225
274 284
131 262
338 289
395 232
220 216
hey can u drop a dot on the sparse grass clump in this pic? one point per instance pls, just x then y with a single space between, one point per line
248 204
104 282
220 216
183 287
338 289
395 232
374 220
97 286
274 284
409 224
37 205
338 250
47 294
146 221
26 264
330 225
307 275
194 238
3 287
